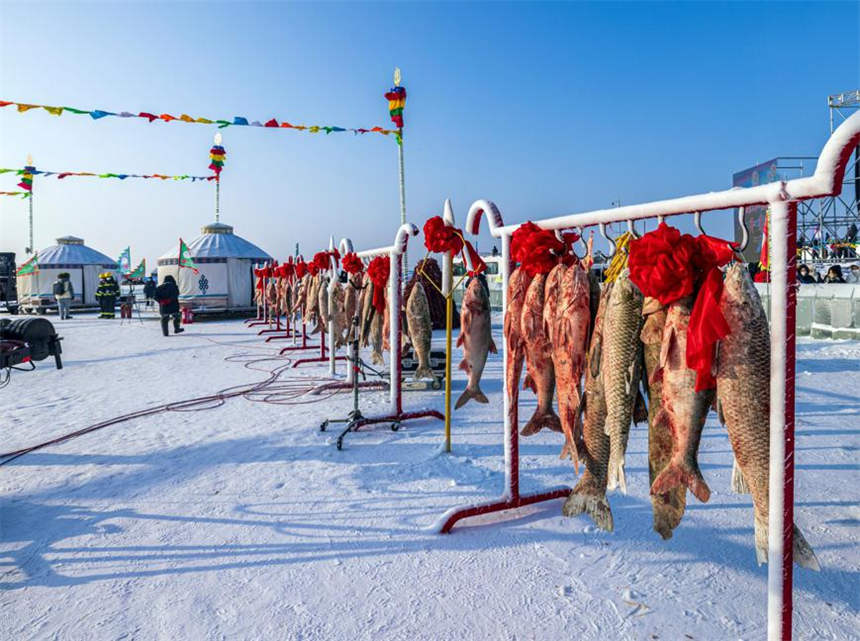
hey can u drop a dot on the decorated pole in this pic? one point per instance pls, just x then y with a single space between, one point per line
27 185
396 102
448 293
216 157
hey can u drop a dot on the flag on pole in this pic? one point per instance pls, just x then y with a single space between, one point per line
124 261
139 271
216 156
27 179
30 267
185 259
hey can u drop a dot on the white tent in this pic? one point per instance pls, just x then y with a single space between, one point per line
83 264
225 262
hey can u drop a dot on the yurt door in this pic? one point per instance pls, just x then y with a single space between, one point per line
239 283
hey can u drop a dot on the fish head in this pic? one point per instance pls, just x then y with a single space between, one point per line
739 290
624 291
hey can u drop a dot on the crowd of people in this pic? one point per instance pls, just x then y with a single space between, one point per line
834 275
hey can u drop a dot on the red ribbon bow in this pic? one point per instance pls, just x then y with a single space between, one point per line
378 271
442 238
537 250
352 263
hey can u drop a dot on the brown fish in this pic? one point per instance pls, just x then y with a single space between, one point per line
682 406
365 311
621 367
515 348
420 330
569 335
375 335
323 316
589 495
667 507
476 339
538 359
743 390
338 313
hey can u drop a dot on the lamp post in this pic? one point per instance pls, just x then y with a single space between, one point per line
402 181
31 247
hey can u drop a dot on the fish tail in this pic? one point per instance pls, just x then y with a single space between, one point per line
681 473
803 553
616 477
540 420
586 498
423 372
739 483
469 394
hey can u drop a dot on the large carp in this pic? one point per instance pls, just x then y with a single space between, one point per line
683 407
621 368
375 336
420 327
743 392
568 328
589 495
515 348
538 359
667 507
476 339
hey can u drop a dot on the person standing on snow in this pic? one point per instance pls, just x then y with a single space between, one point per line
107 294
63 293
149 291
167 295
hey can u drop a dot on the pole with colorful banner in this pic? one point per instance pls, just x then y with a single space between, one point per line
139 272
29 267
27 185
216 156
124 261
185 259
396 103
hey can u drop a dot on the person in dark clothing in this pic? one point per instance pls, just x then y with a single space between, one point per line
803 275
107 294
834 275
167 295
149 291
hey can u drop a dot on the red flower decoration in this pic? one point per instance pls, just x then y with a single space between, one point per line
352 263
301 269
537 250
439 237
661 264
378 271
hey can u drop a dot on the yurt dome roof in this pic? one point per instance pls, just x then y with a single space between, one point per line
70 250
217 240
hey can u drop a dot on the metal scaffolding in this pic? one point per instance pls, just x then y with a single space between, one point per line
826 227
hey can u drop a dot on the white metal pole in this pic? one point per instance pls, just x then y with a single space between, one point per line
510 490
778 332
331 285
405 260
394 293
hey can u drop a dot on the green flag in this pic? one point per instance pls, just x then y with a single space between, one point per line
185 259
139 272
30 267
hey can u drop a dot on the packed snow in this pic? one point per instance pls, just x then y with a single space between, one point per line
245 522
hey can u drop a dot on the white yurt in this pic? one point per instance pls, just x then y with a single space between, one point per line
84 264
225 262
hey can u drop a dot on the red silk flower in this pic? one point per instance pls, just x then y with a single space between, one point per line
661 264
441 238
378 271
301 269
352 263
321 261
537 250
313 270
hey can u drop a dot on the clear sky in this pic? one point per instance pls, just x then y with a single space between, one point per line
543 108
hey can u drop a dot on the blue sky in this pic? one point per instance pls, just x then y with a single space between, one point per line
543 108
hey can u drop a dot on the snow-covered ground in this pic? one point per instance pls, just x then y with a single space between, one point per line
245 522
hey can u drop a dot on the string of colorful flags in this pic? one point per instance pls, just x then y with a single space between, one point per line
28 172
236 121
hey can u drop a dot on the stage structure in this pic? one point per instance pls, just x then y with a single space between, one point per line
782 198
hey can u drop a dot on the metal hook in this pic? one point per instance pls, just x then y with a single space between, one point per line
745 234
581 240
661 219
631 229
697 221
611 241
